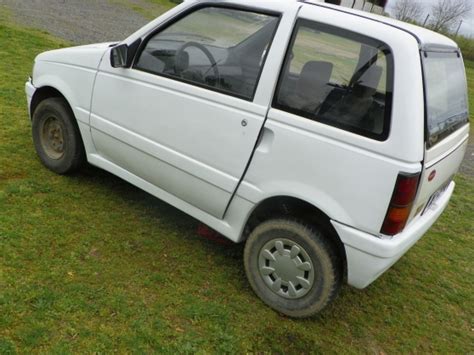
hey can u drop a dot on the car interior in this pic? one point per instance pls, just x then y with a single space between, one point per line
194 58
314 95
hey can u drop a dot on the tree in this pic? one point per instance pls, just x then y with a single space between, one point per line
447 13
408 10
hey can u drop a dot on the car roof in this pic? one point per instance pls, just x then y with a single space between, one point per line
428 40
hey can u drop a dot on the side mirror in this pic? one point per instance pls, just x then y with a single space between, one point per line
119 56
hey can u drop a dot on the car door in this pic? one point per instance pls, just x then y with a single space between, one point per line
183 117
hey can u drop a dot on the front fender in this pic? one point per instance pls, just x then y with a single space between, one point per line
74 83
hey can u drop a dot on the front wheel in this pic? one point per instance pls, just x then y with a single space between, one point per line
292 267
56 136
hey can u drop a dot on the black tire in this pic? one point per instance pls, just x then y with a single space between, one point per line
56 136
326 277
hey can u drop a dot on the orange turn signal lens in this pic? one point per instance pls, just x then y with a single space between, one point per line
401 203
395 220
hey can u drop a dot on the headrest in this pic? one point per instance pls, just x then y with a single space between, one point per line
313 77
317 71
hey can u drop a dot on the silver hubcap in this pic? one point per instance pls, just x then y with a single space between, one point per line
286 268
52 138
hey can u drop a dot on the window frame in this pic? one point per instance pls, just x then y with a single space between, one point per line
350 35
189 11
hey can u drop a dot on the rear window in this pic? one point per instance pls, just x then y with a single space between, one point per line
446 95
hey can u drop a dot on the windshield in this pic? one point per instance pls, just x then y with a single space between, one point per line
446 94
235 26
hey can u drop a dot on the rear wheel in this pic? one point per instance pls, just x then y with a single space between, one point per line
56 136
292 267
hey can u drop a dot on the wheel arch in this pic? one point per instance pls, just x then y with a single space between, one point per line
43 93
292 207
48 91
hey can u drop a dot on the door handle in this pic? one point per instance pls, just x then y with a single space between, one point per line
265 140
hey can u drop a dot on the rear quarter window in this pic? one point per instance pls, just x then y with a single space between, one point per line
339 78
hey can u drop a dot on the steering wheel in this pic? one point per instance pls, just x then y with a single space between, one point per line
210 57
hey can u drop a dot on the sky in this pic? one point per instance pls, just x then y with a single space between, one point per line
467 27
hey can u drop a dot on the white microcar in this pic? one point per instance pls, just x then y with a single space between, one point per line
324 137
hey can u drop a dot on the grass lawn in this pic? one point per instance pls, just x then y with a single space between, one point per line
89 263
149 8
470 84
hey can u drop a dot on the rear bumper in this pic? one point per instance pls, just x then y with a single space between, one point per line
369 256
29 90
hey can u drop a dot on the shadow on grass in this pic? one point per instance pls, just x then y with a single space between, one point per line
152 207
186 225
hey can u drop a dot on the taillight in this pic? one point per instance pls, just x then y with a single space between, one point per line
401 203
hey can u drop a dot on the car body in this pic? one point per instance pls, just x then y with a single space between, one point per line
231 135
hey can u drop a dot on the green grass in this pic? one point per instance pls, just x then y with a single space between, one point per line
149 9
470 84
89 263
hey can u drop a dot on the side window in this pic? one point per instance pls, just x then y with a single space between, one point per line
222 49
338 78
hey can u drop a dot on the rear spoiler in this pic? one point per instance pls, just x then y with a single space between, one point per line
434 47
